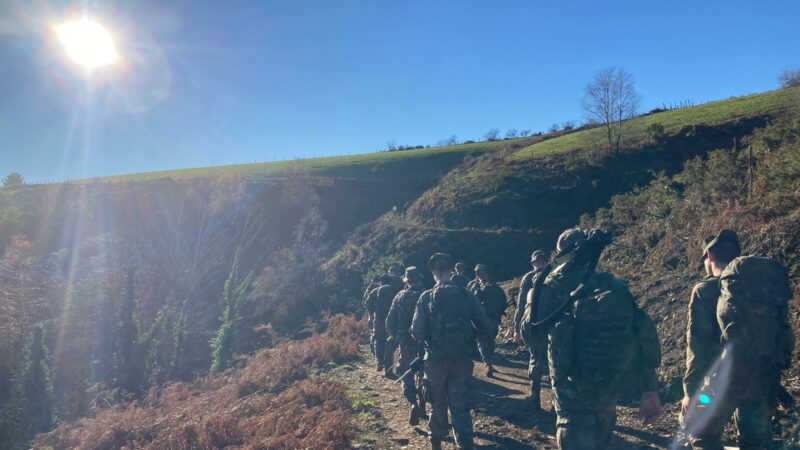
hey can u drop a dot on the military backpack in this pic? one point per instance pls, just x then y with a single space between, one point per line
452 334
753 316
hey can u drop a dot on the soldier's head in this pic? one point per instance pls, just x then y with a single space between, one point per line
481 272
441 267
412 277
460 268
539 259
720 250
395 271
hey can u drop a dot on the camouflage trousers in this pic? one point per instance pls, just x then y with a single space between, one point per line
409 350
383 347
586 428
449 388
753 420
487 359
537 366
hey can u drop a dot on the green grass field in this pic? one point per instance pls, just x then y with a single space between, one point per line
351 165
379 163
712 113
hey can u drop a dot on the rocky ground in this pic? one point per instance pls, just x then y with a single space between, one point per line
503 418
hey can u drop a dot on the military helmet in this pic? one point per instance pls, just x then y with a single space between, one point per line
480 267
412 275
725 242
569 240
538 255
395 271
460 266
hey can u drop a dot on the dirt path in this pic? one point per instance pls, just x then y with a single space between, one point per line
503 419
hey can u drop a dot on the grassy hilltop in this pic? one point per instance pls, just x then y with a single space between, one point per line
367 164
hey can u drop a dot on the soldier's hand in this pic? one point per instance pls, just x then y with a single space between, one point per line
517 338
650 407
685 410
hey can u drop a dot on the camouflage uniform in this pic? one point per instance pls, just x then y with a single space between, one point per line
370 311
378 303
702 334
398 324
537 347
449 328
459 280
494 302
758 351
593 347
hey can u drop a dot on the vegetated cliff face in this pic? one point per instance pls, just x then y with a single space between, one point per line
660 228
496 209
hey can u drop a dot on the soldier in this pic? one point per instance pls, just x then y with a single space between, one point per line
459 278
593 325
494 302
378 303
702 330
745 328
449 320
398 323
537 364
370 314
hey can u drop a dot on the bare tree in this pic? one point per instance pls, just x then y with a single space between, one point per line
524 133
492 134
611 98
391 145
789 78
512 133
452 140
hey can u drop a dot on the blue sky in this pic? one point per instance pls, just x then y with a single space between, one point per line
211 82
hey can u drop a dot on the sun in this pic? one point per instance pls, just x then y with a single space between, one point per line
87 42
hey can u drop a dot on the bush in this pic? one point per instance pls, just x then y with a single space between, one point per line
789 78
271 403
655 132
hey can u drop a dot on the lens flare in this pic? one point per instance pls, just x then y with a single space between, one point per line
87 42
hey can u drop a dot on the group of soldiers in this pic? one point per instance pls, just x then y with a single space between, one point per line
583 327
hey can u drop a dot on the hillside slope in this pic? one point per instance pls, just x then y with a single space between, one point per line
496 208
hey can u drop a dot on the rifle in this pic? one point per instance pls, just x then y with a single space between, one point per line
587 255
416 366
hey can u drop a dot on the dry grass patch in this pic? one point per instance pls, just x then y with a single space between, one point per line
269 404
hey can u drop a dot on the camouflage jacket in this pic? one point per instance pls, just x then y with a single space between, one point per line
459 280
593 342
380 299
401 313
522 296
494 301
702 334
370 287
463 325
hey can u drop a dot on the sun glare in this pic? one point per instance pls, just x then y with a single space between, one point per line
88 43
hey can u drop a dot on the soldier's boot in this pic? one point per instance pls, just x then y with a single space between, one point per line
413 416
436 444
389 374
379 367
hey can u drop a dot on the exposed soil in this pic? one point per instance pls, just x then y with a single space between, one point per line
503 417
